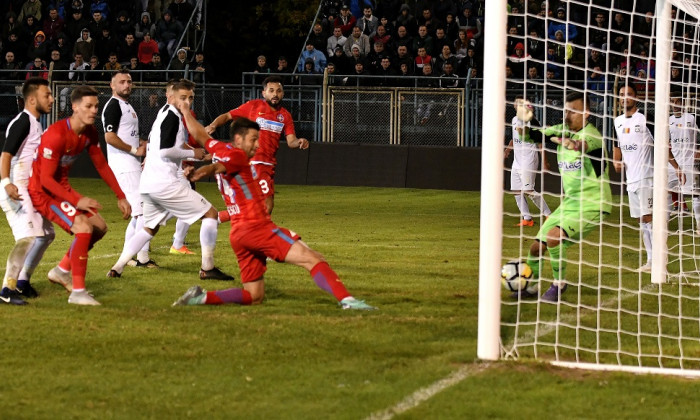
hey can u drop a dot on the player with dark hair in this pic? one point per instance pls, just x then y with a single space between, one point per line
254 237
32 233
56 200
634 149
124 152
275 124
162 193
586 191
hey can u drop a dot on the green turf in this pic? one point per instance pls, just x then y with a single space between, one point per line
413 253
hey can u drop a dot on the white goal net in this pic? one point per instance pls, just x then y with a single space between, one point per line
613 90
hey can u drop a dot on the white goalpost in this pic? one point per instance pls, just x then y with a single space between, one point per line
617 312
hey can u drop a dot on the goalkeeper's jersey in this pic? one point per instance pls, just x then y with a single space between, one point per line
584 177
525 150
682 135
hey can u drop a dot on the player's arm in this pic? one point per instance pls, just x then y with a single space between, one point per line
295 142
111 117
98 159
508 149
16 134
218 121
207 171
49 166
196 130
169 128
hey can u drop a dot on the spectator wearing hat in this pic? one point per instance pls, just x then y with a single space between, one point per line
39 48
334 41
178 64
341 61
143 26
75 23
30 26
10 24
122 26
346 21
560 24
168 31
85 45
518 60
317 56
407 20
309 75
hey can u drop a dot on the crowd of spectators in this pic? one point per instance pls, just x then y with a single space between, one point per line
87 39
587 45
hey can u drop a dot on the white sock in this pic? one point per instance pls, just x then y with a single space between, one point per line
15 261
696 211
130 229
539 202
136 242
181 229
142 255
207 237
524 208
34 255
646 238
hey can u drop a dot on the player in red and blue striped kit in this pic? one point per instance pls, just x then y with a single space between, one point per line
254 237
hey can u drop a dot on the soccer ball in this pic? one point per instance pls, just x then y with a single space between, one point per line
516 275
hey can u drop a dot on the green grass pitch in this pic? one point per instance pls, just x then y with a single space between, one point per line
412 253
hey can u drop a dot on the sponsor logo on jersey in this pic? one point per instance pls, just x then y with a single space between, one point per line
47 153
570 166
637 129
269 125
280 117
629 147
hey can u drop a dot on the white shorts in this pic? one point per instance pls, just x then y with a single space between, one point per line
177 200
129 183
522 180
674 185
641 201
23 218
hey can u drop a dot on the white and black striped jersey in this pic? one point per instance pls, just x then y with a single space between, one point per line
119 117
22 138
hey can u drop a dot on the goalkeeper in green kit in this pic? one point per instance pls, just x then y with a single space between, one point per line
586 200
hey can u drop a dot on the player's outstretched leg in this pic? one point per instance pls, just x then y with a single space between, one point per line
207 238
31 261
137 241
195 295
178 247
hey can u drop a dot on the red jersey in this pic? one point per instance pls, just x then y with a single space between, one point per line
275 125
59 148
241 192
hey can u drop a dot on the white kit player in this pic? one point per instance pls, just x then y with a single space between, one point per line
683 139
634 149
32 233
526 161
162 193
124 152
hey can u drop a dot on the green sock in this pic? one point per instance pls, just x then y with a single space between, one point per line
558 256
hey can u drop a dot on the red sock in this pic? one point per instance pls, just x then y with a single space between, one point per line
65 261
239 296
329 281
78 259
224 216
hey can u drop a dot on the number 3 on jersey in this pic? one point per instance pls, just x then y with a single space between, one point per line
263 186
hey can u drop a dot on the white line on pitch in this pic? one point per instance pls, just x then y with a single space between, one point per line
428 392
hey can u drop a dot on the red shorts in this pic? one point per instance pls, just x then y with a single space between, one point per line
254 243
265 174
60 212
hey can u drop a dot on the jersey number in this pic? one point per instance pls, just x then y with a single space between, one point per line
263 186
68 208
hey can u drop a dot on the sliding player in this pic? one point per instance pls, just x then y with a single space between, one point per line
32 233
634 149
254 237
586 192
526 160
57 201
